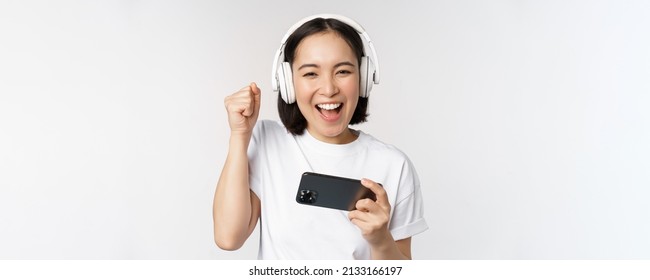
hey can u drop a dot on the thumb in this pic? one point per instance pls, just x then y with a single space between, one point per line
257 94
256 90
380 192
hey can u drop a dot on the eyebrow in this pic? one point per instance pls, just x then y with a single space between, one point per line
335 66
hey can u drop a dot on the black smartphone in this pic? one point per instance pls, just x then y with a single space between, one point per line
331 192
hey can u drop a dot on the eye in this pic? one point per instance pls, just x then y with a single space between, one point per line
309 75
344 72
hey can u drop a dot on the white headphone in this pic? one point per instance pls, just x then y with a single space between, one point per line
282 79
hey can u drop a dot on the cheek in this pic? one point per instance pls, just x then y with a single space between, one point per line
351 88
353 105
303 105
303 99
300 88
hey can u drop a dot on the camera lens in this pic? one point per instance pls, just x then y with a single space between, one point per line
307 196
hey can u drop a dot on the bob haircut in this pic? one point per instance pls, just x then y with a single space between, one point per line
290 114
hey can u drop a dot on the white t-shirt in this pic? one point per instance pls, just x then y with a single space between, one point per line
290 230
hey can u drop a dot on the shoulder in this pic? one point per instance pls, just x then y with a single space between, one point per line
398 170
389 151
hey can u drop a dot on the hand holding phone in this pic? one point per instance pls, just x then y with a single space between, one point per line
331 191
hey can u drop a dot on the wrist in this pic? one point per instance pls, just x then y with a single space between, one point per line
239 140
386 249
382 244
240 135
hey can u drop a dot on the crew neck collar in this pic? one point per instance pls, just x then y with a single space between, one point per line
333 149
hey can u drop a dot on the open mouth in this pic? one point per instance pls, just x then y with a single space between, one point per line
329 111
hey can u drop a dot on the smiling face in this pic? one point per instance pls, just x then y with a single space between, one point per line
326 82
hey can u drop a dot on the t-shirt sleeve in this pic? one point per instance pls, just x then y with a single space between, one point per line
408 213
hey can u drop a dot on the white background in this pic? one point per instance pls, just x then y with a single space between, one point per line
527 121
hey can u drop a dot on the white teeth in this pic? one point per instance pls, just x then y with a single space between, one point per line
329 106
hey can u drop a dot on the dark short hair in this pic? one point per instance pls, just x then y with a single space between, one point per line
290 114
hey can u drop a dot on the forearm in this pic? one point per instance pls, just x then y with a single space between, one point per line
232 207
387 249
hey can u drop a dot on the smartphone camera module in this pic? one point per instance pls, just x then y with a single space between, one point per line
307 196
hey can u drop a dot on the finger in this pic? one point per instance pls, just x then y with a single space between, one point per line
245 98
382 197
364 224
367 205
241 96
359 223
358 215
239 103
237 108
248 110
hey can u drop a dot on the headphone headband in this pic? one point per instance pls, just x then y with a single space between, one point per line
340 18
367 44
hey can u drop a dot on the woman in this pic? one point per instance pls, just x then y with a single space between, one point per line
324 78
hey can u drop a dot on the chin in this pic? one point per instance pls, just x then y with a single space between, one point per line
334 130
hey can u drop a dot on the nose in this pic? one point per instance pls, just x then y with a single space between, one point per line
329 87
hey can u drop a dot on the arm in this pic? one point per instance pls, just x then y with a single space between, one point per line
372 219
392 250
236 208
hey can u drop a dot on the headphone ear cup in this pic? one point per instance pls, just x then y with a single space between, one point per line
285 79
279 78
365 84
363 77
